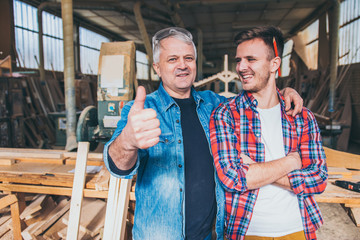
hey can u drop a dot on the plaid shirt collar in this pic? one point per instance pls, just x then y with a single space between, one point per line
250 101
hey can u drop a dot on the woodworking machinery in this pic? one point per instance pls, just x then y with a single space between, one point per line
116 78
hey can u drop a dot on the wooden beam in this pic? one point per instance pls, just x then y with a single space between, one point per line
47 179
15 213
117 208
78 190
50 190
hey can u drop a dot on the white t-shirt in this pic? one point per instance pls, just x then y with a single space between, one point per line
276 211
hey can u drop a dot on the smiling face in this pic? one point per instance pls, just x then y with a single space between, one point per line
176 67
254 66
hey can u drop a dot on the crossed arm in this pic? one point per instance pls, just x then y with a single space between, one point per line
237 172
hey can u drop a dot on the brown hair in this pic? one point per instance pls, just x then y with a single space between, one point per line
267 34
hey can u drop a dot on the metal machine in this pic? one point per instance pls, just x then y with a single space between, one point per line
116 78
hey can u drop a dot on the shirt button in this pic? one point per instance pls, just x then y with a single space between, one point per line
166 140
179 141
180 165
177 121
180 189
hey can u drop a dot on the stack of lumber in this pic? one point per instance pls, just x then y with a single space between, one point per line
50 172
46 217
27 102
43 180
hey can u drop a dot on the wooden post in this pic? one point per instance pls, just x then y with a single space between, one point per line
117 208
77 191
15 214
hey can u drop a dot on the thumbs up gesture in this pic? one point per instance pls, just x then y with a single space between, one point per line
143 128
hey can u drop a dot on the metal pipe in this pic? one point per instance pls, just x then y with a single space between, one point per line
69 73
143 32
334 49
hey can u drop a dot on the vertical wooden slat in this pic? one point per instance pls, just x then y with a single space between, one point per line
77 191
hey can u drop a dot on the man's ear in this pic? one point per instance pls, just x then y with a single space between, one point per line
157 69
275 64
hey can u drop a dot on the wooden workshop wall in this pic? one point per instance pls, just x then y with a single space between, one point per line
6 29
354 86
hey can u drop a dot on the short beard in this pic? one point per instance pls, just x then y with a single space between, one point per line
262 84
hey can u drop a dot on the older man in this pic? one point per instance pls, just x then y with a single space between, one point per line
164 139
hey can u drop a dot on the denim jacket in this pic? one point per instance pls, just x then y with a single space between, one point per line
160 195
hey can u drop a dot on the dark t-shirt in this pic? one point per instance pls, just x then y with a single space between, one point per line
200 202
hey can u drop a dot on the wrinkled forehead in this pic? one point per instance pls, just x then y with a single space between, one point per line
176 46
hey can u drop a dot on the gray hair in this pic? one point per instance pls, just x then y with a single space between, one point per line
174 32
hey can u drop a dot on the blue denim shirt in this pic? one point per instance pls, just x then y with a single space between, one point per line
160 200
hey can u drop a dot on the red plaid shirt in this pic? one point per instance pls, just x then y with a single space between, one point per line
235 129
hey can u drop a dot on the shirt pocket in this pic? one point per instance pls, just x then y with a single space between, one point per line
165 151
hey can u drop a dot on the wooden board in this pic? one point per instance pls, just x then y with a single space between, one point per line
50 190
92 216
335 194
57 212
25 153
341 159
77 191
45 174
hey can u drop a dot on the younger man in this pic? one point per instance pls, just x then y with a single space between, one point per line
270 164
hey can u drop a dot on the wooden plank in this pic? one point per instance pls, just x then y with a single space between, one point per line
341 159
7 200
34 207
111 209
47 179
349 205
335 194
73 155
92 216
58 212
50 190
78 190
37 168
60 161
117 208
46 208
5 227
90 162
7 162
101 181
4 218
336 172
25 153
53 232
355 212
15 213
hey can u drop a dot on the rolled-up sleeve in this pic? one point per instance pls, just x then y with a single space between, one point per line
312 178
107 160
228 163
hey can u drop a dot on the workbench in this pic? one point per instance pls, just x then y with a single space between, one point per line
335 194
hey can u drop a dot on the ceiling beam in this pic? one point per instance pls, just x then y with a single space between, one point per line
310 19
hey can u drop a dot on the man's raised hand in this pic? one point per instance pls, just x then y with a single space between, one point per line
143 128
